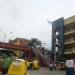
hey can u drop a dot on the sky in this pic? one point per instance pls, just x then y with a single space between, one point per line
28 18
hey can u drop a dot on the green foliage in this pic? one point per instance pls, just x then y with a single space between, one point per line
35 43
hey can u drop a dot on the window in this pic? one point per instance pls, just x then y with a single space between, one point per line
56 40
57 33
56 49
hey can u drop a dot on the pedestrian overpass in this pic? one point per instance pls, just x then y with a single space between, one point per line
16 47
28 50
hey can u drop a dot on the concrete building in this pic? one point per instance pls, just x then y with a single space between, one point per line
21 42
57 37
63 36
69 36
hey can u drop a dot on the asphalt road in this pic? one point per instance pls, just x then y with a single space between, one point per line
45 71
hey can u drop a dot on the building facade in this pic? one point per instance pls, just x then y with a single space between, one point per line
57 37
69 36
21 42
63 36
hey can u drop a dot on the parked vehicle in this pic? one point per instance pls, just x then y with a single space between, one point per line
29 65
62 66
36 64
18 67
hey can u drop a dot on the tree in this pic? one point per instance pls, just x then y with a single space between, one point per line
34 43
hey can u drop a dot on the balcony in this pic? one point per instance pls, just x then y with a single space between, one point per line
69 21
69 51
69 31
69 41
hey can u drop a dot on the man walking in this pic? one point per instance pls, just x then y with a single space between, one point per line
70 67
51 66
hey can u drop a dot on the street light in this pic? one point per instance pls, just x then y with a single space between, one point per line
0 34
4 35
11 35
53 29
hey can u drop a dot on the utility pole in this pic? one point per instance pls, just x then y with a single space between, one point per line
5 37
0 33
11 33
54 51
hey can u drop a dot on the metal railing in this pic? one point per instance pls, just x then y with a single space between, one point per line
68 40
69 30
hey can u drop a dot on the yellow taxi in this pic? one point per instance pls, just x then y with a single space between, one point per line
18 67
29 65
35 64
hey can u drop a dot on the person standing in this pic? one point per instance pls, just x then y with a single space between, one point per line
54 65
74 66
51 66
70 67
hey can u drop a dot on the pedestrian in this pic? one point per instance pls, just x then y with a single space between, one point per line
74 66
54 66
57 67
51 66
70 67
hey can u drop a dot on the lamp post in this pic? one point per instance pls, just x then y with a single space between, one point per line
4 38
4 35
0 34
11 33
53 29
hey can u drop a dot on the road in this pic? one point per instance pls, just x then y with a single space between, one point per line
45 71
